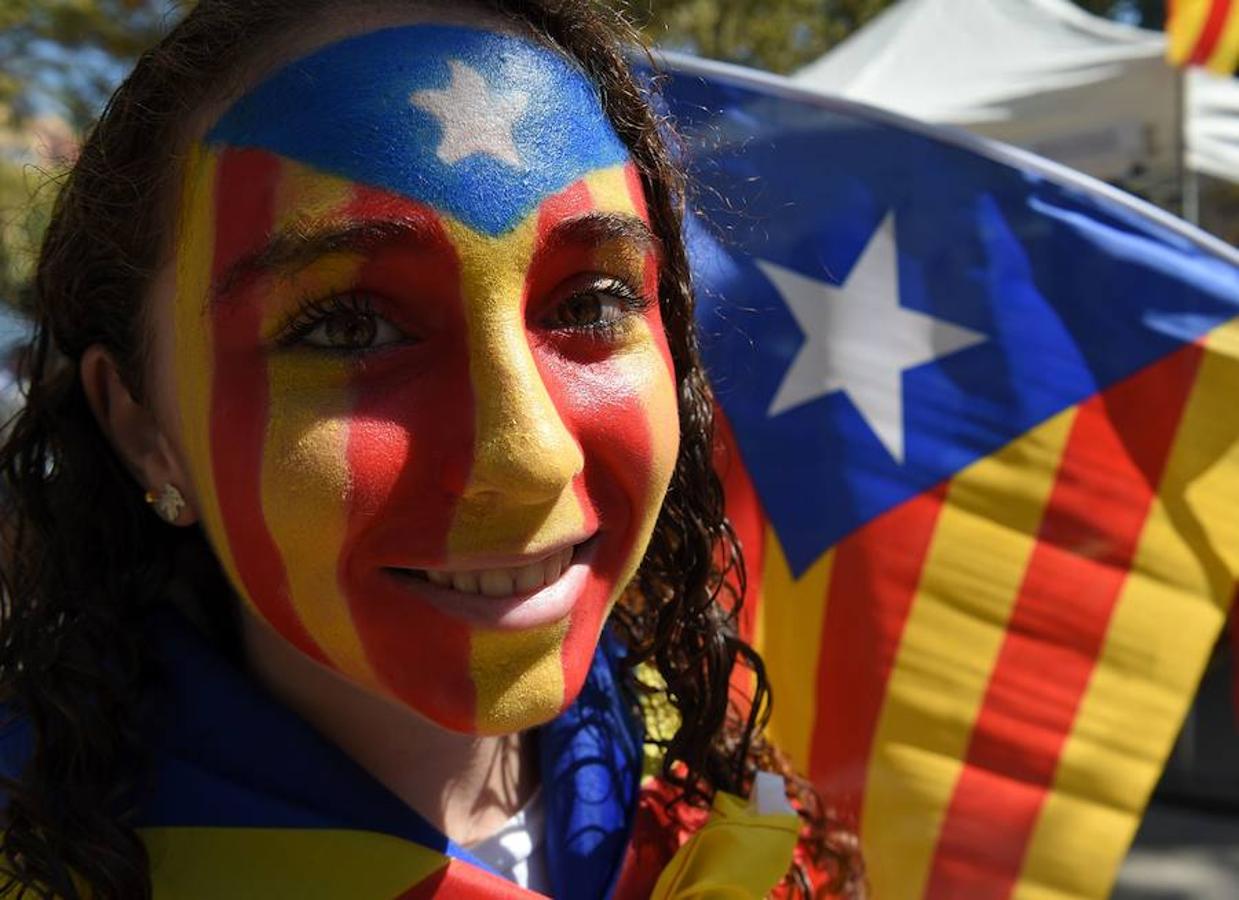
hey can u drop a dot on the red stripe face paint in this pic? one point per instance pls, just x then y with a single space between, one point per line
429 456
240 394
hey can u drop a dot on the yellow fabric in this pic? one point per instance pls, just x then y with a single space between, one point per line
1185 21
792 608
737 853
1224 59
661 718
243 863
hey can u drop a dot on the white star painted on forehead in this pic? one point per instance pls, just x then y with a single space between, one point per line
859 340
473 119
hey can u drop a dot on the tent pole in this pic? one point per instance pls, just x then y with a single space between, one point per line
1180 149
1191 196
1189 181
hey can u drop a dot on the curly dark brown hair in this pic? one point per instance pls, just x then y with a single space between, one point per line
84 561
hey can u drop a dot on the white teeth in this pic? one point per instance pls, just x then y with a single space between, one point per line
505 582
554 567
496 582
528 578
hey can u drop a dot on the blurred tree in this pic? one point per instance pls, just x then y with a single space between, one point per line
26 196
65 56
59 62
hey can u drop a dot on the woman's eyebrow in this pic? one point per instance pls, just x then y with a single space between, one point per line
599 228
298 245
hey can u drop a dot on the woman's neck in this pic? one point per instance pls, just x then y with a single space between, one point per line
467 786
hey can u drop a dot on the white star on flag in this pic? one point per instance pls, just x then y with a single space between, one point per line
859 340
473 118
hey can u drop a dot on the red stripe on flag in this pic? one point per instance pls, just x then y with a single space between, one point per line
1211 32
745 512
460 879
246 182
1106 483
873 581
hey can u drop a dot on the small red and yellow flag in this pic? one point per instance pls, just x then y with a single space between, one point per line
1203 33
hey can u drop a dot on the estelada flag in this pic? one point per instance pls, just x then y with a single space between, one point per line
983 457
1203 33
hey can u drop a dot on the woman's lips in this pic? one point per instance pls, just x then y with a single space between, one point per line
537 593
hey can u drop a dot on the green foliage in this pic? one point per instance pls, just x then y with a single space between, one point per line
67 55
777 35
59 60
26 198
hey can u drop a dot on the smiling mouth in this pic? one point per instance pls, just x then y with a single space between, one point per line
500 582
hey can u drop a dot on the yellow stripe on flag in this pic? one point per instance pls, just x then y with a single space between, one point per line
306 863
1164 627
1224 59
1185 23
985 535
787 632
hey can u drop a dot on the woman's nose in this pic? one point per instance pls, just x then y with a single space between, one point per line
523 451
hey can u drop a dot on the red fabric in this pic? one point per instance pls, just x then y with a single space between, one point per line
460 879
1215 24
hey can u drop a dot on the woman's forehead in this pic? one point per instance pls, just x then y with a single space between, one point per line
480 124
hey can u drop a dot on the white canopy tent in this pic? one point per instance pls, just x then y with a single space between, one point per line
1092 94
1212 127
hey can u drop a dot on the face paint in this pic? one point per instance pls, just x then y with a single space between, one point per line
421 367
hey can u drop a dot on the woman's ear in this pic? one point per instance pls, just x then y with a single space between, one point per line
137 436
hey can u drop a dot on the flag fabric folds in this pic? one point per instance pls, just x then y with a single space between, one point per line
1203 33
982 450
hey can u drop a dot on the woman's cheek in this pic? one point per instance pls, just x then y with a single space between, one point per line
623 411
307 486
653 382
626 415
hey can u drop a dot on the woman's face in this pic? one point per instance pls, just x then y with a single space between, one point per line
425 399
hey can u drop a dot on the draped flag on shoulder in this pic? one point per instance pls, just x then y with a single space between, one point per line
1203 33
983 455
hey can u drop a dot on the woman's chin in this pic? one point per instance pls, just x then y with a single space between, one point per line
520 682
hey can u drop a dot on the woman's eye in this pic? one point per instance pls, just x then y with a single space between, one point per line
351 331
591 308
344 323
597 308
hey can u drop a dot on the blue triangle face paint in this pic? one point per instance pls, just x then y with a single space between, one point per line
480 125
